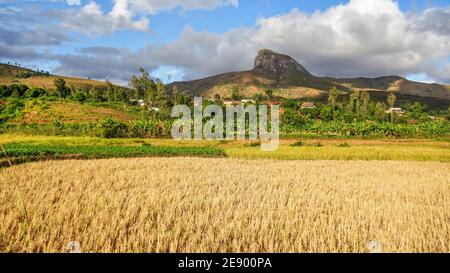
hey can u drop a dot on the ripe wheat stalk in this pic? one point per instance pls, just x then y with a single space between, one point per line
225 205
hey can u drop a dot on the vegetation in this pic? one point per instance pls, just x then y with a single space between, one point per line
357 116
306 149
224 205
31 152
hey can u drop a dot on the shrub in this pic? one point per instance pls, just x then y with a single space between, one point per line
79 96
298 144
112 128
35 92
4 91
344 145
253 144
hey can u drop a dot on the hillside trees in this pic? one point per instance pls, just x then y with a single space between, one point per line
144 87
391 102
235 94
61 87
110 91
332 99
269 93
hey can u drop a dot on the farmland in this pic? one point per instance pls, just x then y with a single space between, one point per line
225 205
23 148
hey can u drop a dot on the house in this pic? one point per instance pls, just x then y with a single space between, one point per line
227 102
308 105
398 111
245 101
141 103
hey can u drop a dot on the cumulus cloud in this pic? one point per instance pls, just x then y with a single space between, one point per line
435 20
360 38
366 38
90 19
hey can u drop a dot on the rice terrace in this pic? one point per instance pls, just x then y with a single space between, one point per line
161 149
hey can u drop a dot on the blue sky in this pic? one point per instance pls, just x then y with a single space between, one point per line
178 40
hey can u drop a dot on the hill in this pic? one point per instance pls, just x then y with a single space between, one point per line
11 74
289 79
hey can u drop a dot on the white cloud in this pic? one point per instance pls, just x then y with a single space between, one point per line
91 20
360 38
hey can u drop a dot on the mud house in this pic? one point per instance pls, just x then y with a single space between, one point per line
308 105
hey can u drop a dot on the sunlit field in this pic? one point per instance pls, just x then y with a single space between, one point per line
309 149
225 205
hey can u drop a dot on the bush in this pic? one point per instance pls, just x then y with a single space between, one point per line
4 91
17 90
35 92
79 96
298 144
253 144
112 128
24 74
11 110
344 145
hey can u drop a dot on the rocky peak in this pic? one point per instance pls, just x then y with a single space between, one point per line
270 61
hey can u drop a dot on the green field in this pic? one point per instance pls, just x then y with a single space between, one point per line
22 148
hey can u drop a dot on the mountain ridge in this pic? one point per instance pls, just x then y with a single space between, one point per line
290 79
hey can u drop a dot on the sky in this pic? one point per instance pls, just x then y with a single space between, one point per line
188 39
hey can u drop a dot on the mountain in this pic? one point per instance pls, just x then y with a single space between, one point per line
12 74
289 79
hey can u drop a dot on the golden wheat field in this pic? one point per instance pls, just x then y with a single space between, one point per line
225 205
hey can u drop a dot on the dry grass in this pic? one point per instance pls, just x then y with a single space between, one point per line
225 205
48 82
70 112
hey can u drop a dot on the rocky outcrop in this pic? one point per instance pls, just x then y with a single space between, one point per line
272 62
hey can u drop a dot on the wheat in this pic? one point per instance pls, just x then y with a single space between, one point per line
225 205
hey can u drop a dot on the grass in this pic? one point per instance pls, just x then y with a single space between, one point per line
43 112
375 152
32 152
225 205
405 150
8 76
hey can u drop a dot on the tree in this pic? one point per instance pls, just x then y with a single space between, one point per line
364 105
110 91
61 87
353 103
161 99
380 111
217 99
391 102
258 97
144 87
235 95
95 94
122 95
181 99
332 100
269 93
